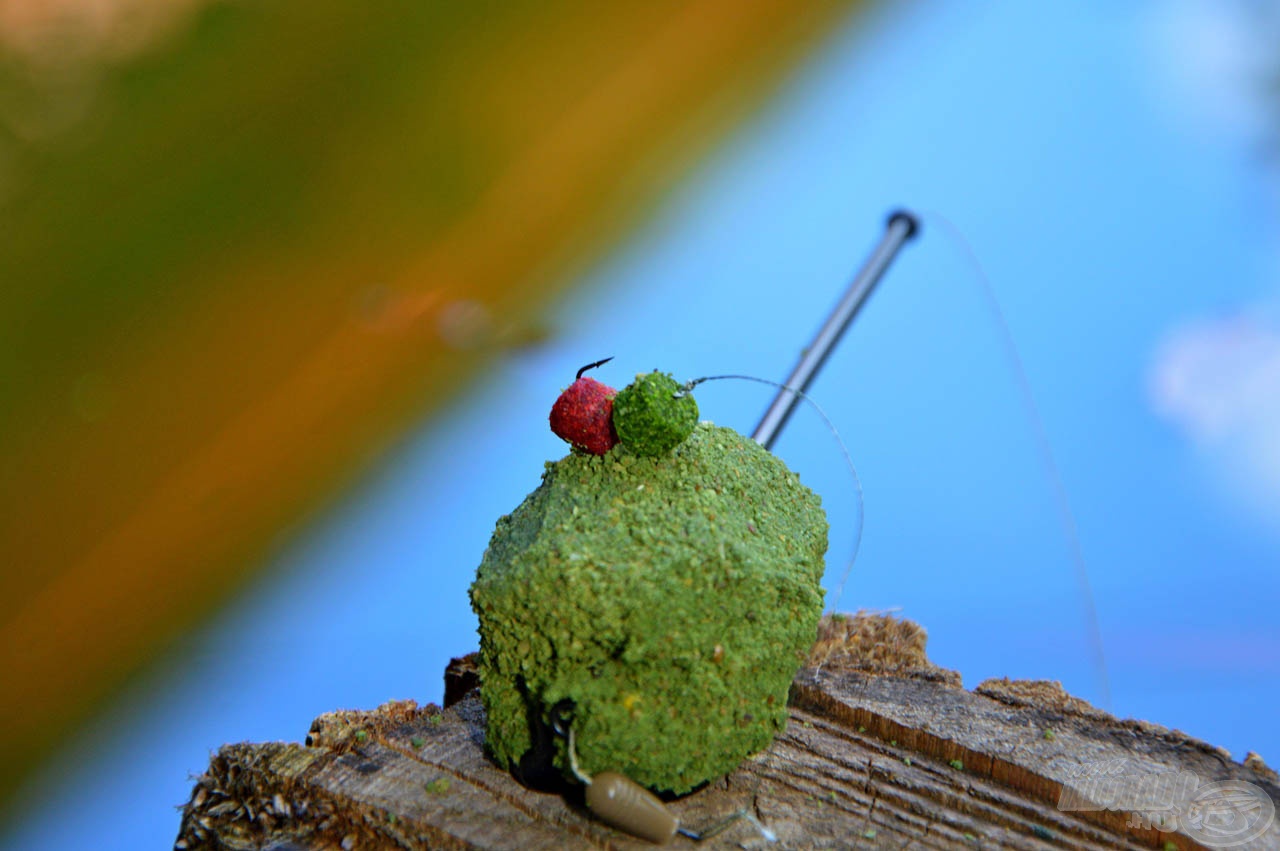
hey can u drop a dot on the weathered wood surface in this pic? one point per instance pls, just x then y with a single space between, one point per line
883 750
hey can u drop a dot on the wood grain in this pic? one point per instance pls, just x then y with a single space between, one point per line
882 751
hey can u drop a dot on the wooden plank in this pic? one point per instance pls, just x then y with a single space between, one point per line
884 750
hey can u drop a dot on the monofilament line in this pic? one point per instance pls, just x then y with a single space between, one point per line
1044 449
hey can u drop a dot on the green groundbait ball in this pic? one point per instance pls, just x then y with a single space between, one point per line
654 414
671 598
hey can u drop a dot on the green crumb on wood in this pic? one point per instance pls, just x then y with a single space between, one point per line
654 414
958 765
869 833
971 837
417 741
906 760
612 582
862 729
1170 845
1049 736
893 743
362 735
439 786
434 720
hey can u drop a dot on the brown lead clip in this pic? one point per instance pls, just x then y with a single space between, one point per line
625 805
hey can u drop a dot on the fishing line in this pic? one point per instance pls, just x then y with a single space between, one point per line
844 450
1044 449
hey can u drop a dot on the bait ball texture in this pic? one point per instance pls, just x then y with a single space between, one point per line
654 414
583 416
672 599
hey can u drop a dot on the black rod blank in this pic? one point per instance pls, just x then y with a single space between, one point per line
899 229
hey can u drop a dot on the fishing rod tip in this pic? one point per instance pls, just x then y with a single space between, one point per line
906 217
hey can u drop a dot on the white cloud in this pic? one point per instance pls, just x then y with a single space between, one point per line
1212 60
1219 381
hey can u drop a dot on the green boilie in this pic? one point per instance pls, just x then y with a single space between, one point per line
654 414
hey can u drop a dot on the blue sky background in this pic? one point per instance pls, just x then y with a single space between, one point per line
1102 161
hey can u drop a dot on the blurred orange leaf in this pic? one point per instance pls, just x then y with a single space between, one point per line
240 260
